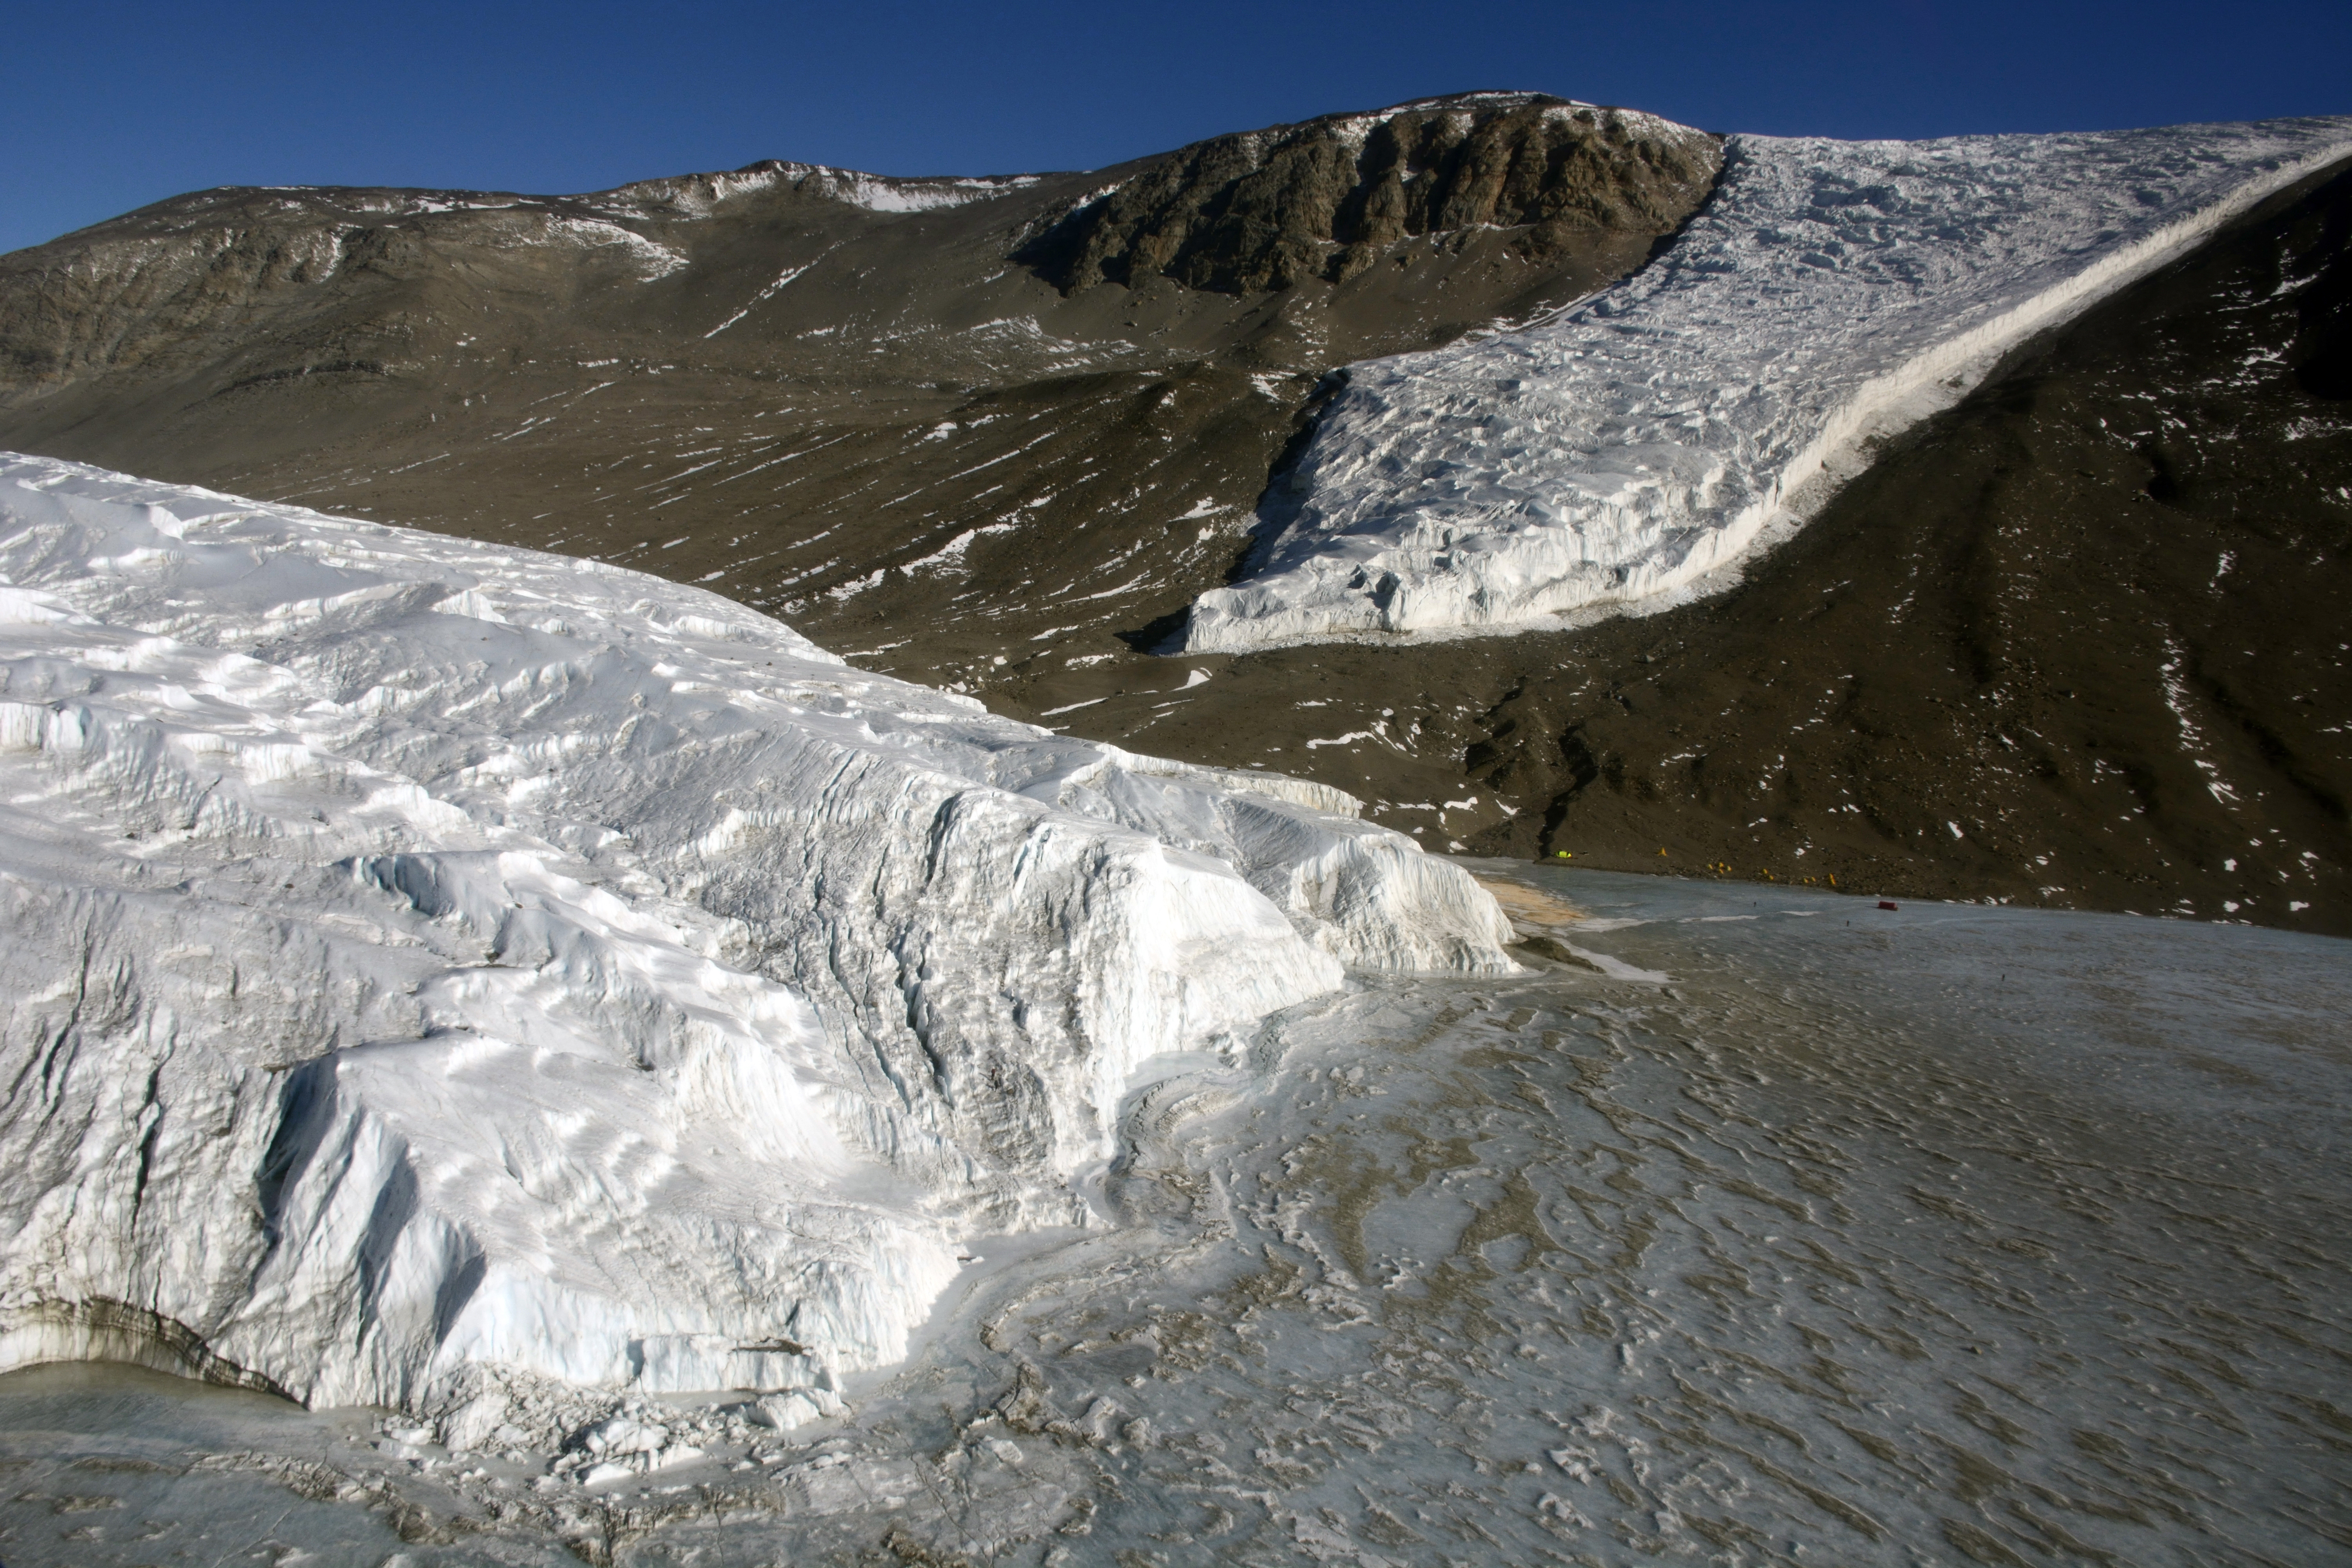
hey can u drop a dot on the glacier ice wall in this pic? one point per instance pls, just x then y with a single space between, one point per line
425 955
1829 292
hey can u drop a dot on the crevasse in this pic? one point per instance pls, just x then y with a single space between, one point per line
426 956
1830 292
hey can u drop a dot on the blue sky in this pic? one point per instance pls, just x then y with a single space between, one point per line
112 106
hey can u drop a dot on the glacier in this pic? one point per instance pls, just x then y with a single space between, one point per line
429 957
1629 452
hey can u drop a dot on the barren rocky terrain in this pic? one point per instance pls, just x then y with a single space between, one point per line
2076 643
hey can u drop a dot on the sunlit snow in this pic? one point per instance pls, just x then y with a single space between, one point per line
426 955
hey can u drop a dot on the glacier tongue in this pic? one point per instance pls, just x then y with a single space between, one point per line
427 956
1829 292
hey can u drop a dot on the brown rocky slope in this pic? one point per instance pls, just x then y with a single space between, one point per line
2084 641
2079 642
832 395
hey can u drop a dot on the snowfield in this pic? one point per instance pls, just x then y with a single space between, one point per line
1829 293
426 956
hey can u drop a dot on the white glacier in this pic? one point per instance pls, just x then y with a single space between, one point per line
1829 293
426 956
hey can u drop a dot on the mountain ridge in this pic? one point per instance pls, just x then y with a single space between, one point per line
929 456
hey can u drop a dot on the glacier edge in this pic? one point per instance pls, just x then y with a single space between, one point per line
430 957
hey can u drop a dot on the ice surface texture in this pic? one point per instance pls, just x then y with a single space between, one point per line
1829 292
425 954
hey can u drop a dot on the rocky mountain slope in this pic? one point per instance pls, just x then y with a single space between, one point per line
1331 198
996 435
2083 639
838 397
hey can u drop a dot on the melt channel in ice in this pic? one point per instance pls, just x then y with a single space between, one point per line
424 956
1829 292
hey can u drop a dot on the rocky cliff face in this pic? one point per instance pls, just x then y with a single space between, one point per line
1269 209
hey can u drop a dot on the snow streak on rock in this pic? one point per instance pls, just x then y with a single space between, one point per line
425 955
1830 292
697 195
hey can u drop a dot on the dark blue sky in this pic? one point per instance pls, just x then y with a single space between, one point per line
111 106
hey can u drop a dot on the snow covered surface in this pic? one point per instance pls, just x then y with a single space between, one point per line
429 957
1952 1235
1830 292
697 195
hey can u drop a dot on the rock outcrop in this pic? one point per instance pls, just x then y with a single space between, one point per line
1264 210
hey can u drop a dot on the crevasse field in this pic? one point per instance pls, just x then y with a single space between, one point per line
429 957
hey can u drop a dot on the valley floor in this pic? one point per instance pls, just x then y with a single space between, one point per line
1764 1225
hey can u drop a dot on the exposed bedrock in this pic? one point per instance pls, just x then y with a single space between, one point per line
1266 209
428 956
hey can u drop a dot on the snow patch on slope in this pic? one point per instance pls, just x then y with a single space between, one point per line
651 260
1830 293
427 956
697 195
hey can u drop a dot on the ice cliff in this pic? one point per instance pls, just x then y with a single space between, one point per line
1829 293
424 955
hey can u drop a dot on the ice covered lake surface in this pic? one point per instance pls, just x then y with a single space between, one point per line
1948 1235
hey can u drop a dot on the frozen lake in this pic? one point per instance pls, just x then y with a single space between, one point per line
1781 1228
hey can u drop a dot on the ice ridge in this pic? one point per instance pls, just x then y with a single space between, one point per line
426 956
1830 293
